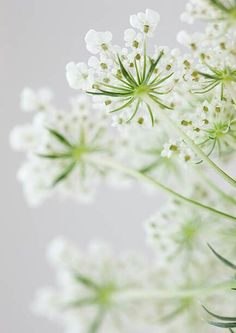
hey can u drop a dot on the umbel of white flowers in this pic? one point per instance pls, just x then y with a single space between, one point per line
120 78
98 291
59 145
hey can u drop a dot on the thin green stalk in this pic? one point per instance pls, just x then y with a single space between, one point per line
179 293
142 177
164 115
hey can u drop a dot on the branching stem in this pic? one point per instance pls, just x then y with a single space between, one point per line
179 293
142 177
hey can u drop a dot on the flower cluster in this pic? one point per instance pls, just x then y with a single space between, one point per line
220 14
92 287
62 148
211 124
124 79
98 291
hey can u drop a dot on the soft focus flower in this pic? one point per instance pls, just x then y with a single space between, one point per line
79 75
220 14
62 149
87 284
23 137
98 291
36 100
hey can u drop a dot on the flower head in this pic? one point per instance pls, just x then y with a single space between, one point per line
61 148
177 234
88 283
124 78
220 14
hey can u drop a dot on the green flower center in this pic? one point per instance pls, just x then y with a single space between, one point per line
80 151
219 130
104 295
141 91
233 15
190 232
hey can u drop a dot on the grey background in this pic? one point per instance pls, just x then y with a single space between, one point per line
38 37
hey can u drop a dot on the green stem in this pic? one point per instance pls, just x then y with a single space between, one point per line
164 115
140 176
179 293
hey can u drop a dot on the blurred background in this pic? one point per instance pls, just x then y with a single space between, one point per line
38 38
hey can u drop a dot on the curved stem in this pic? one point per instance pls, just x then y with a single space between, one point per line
140 176
152 294
163 114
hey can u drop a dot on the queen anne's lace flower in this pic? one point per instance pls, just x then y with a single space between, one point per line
176 230
124 78
221 14
87 288
211 124
99 292
60 148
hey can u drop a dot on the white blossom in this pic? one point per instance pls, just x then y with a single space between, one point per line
36 100
145 22
125 78
23 137
79 76
98 41
62 149
87 285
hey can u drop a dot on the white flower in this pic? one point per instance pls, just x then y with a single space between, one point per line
133 39
63 254
47 303
98 41
193 41
80 103
85 296
35 177
36 100
98 291
178 235
79 76
170 148
124 78
219 14
23 137
62 149
145 22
